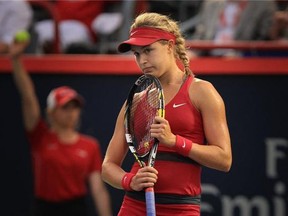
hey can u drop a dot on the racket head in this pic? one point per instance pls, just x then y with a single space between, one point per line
145 101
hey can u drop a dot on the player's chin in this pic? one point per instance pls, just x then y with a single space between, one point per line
147 73
148 70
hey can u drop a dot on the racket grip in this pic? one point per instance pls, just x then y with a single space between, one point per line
150 202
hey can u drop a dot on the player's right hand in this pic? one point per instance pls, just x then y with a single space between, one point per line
145 177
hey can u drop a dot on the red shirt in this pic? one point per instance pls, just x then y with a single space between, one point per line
61 170
176 177
84 11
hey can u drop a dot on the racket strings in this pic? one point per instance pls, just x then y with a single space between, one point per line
144 106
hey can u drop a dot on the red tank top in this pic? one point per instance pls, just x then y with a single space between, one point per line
180 176
183 117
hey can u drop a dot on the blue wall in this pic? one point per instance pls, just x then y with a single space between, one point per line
257 116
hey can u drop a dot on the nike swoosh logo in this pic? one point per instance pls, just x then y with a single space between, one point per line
178 105
125 178
184 144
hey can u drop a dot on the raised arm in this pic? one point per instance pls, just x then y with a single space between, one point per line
25 86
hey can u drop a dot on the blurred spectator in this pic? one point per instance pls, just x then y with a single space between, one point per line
66 163
77 25
15 16
177 9
279 30
227 20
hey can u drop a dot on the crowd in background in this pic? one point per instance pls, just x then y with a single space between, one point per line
96 26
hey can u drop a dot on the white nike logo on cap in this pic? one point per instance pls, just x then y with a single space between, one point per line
178 105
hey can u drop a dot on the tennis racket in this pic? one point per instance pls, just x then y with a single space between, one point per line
145 101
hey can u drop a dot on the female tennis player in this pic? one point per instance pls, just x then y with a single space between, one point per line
193 133
64 160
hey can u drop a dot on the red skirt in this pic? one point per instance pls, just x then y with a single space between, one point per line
137 208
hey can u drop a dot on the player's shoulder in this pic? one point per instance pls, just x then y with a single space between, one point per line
203 92
201 86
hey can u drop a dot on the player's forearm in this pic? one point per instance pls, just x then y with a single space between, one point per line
212 156
112 174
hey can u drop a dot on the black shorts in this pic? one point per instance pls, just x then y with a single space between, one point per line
75 207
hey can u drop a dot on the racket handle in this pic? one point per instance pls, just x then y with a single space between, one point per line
150 202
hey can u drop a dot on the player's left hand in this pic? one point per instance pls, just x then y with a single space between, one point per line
161 130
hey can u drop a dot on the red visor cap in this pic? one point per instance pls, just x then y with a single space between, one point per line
144 36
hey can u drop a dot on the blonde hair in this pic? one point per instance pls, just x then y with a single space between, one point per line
165 23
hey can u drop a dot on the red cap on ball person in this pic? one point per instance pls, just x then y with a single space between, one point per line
60 96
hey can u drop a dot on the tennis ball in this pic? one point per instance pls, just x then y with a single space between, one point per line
22 36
